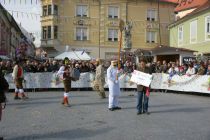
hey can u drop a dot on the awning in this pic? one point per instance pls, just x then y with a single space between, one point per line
4 57
74 55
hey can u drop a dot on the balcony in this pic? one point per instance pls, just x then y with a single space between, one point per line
49 18
49 42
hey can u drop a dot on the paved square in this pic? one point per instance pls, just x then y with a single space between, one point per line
42 117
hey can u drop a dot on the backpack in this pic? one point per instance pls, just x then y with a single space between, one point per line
75 74
3 86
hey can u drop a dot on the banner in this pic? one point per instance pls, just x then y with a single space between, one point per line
194 83
50 80
141 78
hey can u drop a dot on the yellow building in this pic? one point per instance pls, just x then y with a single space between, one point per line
92 25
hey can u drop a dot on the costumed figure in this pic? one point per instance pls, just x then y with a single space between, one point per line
99 81
18 78
4 86
114 87
65 74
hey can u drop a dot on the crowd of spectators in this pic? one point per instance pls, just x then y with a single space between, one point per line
172 68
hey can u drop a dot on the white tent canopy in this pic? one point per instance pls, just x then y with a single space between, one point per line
4 57
74 55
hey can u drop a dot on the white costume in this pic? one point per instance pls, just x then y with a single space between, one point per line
114 87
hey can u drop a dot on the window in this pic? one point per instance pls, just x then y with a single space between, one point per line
81 10
55 10
44 32
151 15
49 32
55 32
113 12
180 35
112 35
193 31
151 37
81 33
207 22
44 10
49 10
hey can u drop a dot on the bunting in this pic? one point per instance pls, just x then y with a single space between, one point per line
25 2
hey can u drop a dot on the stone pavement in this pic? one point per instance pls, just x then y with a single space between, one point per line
42 117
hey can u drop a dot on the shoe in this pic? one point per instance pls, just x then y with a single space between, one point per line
138 113
146 112
1 138
102 97
65 102
66 105
117 108
111 109
16 98
24 98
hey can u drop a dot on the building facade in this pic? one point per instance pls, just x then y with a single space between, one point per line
93 25
11 36
192 31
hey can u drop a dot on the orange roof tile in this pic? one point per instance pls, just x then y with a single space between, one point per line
201 8
189 4
171 1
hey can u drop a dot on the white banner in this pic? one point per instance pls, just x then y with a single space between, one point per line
194 83
141 78
49 80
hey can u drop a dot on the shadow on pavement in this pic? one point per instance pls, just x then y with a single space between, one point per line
70 134
183 110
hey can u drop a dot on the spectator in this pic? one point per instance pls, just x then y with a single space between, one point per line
201 70
158 67
164 67
92 67
84 68
181 71
173 70
191 70
54 67
208 70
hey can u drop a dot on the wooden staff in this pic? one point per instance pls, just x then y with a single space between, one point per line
121 27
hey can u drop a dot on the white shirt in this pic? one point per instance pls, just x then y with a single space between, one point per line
190 71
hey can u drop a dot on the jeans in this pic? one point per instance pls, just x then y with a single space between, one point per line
142 101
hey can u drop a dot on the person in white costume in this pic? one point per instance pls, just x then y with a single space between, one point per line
114 87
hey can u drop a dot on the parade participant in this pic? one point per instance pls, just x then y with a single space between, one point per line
114 87
65 73
18 78
142 98
4 86
100 79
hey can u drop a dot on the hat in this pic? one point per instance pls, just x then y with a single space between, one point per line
114 61
98 60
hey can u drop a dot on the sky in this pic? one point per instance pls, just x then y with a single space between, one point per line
27 14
